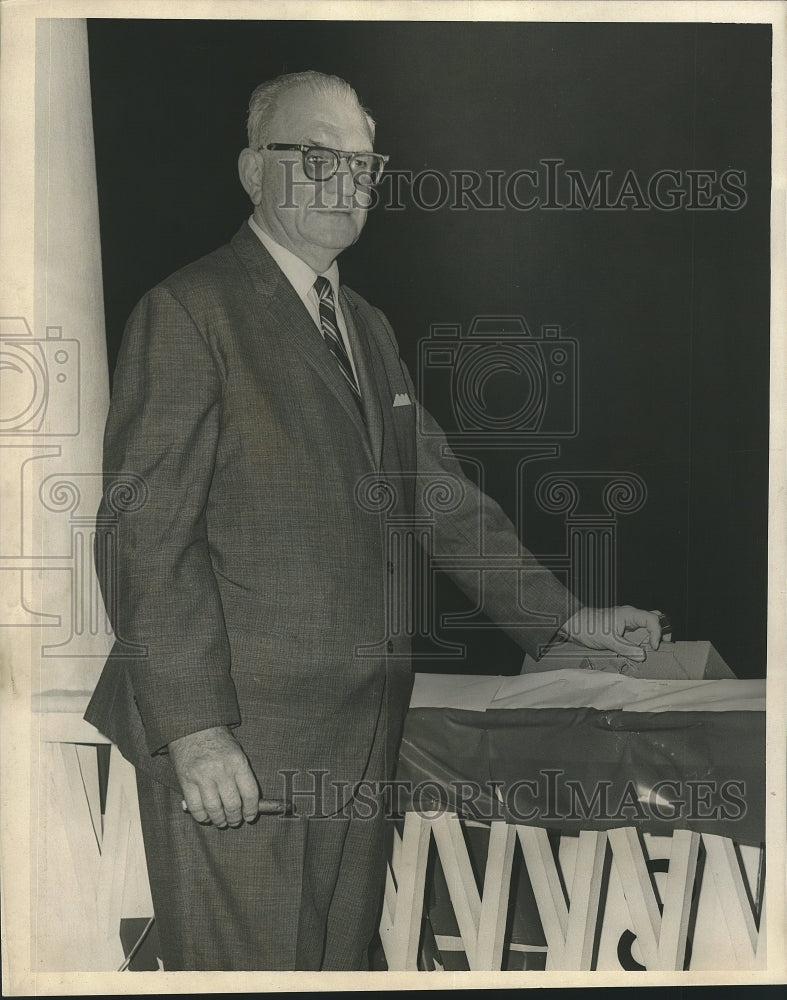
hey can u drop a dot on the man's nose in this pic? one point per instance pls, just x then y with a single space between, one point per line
340 191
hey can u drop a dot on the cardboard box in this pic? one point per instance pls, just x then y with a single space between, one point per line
696 660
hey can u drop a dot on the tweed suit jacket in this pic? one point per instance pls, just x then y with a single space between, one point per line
251 584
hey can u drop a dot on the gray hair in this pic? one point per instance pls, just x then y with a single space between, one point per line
262 103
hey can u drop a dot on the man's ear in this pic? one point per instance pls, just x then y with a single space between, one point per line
250 172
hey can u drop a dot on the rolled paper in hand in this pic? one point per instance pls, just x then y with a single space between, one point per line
267 807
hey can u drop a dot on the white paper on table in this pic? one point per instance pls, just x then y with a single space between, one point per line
471 692
576 688
591 689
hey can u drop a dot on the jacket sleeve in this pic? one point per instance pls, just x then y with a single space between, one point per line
522 596
163 429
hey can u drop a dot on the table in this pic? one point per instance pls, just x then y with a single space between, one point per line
637 887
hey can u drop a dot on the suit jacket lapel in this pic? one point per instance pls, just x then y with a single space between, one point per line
287 313
396 435
371 390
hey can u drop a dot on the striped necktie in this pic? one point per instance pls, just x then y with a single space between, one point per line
330 332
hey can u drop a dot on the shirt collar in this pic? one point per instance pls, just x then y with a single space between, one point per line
299 274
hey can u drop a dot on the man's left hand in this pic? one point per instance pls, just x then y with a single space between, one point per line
604 628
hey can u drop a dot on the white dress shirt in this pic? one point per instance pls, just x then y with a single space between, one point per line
302 278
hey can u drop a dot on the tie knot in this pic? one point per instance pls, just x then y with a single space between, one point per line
323 288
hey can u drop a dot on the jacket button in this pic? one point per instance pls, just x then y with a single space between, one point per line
389 646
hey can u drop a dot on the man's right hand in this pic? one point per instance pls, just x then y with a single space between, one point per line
217 781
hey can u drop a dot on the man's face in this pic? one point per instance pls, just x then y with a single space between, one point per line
313 220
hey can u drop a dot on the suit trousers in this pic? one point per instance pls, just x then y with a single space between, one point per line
283 893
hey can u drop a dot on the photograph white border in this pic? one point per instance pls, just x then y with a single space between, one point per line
17 41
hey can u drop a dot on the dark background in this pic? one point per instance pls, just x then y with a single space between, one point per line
670 309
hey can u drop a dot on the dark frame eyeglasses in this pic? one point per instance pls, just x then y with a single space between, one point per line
320 163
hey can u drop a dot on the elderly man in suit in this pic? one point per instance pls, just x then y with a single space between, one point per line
254 404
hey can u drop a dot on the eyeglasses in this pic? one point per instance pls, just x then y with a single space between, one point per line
320 163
